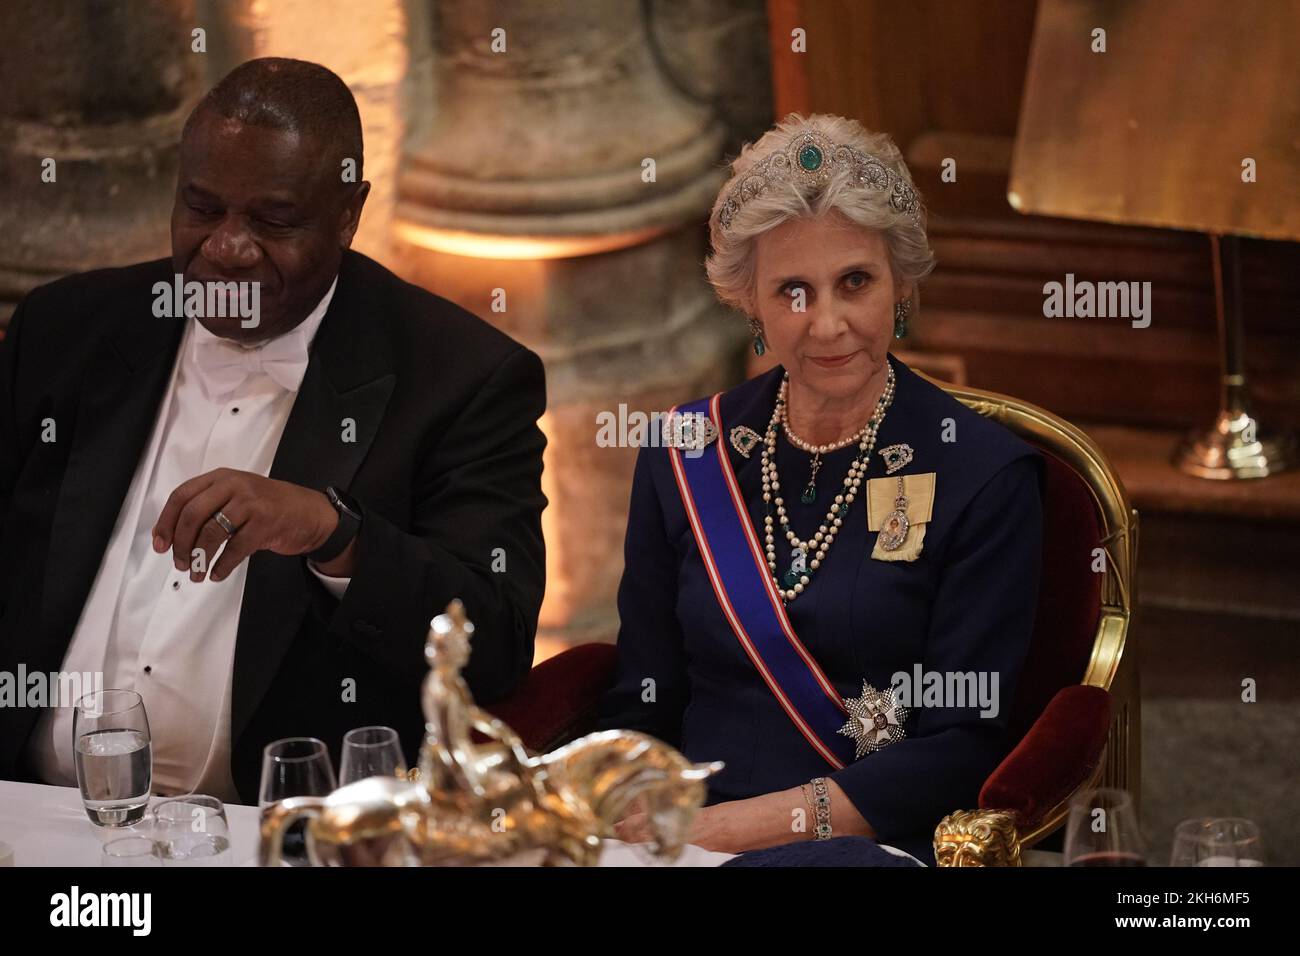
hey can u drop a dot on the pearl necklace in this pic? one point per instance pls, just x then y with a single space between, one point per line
820 449
810 490
794 581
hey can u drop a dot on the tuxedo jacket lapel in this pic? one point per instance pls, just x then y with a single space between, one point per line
350 376
118 404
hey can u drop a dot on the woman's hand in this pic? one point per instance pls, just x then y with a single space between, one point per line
634 808
739 825
634 827
755 823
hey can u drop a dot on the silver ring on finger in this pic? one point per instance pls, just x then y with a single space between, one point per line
225 523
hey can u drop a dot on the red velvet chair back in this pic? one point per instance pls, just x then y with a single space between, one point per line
1069 596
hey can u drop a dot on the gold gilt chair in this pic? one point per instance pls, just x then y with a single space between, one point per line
1076 713
1077 709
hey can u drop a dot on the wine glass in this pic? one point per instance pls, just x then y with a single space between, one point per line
130 852
1217 841
192 831
1103 830
295 767
113 756
371 752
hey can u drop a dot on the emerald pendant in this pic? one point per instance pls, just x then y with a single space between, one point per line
809 494
789 580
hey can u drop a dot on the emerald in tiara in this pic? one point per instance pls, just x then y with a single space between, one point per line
811 157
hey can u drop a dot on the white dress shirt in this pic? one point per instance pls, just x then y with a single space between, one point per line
145 626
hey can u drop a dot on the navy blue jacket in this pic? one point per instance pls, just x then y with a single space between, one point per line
965 604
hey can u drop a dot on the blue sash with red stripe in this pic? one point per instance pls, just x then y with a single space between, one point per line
747 595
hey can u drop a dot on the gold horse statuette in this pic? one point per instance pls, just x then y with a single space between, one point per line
493 803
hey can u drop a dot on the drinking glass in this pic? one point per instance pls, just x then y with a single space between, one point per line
295 767
1103 830
371 752
192 831
130 851
1217 841
113 756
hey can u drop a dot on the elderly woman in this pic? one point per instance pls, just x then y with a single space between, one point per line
820 545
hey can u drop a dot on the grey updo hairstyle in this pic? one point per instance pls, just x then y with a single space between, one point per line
730 266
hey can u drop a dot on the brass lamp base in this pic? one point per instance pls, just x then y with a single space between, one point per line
1223 452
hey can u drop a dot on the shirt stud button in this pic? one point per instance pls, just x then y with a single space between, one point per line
148 668
176 585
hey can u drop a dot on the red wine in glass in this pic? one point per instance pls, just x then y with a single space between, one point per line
1102 830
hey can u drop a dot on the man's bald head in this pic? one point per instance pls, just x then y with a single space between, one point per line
292 96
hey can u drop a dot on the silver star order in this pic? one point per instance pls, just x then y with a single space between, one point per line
875 720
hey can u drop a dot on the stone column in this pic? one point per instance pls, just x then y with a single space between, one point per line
558 186
101 89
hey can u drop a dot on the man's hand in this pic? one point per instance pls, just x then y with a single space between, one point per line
268 515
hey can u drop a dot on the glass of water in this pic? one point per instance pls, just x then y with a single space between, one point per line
371 752
192 831
113 756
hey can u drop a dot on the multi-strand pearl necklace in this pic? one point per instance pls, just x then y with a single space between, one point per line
810 490
794 581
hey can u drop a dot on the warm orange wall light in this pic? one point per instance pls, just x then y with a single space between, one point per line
477 245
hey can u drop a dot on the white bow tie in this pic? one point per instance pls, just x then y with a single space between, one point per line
223 365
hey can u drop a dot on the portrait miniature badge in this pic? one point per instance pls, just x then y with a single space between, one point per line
899 508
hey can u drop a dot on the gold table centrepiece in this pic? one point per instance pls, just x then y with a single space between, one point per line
493 803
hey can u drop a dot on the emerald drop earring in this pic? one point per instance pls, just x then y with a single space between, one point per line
901 311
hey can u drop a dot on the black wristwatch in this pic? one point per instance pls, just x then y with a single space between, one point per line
349 524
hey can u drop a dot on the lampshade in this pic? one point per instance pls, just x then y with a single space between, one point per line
1159 128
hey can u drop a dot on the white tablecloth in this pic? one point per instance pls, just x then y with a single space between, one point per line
46 826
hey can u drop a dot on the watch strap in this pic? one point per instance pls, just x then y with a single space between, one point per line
347 528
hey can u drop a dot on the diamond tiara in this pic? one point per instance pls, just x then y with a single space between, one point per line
812 158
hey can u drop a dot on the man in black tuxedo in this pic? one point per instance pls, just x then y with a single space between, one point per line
399 432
